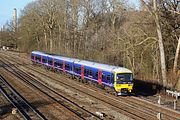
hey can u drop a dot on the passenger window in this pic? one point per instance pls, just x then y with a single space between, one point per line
56 63
44 60
38 58
96 74
91 73
108 77
67 66
75 69
60 64
88 72
50 62
78 69
103 76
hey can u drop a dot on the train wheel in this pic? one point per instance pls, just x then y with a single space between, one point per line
116 94
80 80
85 81
73 77
90 83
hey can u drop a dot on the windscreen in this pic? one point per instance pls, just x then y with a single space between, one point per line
124 77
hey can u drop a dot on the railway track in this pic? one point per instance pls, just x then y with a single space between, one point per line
48 91
132 107
22 105
120 106
129 106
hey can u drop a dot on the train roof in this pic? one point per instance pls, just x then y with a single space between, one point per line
105 67
36 52
66 58
39 53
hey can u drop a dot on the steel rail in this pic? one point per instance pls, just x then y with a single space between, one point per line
167 115
121 109
18 101
79 111
148 110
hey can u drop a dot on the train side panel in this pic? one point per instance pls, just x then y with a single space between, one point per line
91 74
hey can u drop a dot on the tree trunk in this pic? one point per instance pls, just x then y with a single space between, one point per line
51 41
161 47
74 23
38 42
176 56
45 40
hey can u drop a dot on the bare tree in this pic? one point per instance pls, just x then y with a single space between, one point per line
106 31
161 46
154 12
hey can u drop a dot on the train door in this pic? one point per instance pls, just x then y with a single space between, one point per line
34 57
63 66
82 72
41 59
53 63
99 77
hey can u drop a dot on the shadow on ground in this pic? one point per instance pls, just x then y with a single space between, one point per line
144 88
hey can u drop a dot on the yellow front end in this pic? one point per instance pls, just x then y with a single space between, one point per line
123 87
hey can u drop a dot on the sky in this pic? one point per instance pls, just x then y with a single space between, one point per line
7 6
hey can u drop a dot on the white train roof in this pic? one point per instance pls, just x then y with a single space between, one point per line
105 67
66 58
39 53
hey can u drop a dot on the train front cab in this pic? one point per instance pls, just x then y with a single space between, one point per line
123 83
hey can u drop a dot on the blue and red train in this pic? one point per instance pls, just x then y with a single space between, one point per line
118 80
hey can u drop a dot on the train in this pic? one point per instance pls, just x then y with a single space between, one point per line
114 79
